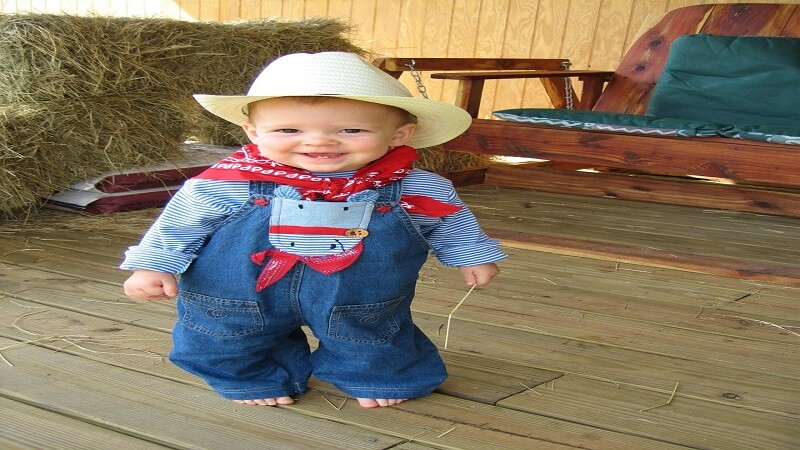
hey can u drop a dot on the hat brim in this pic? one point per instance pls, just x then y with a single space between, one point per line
437 122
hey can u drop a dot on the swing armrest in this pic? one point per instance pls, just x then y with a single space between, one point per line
471 89
470 85
396 66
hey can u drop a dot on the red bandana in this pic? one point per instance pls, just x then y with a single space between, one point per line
281 262
246 164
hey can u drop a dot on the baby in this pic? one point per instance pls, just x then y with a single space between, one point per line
322 222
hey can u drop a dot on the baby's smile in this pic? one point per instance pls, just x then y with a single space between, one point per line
322 155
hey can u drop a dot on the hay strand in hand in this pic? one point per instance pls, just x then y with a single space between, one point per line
450 316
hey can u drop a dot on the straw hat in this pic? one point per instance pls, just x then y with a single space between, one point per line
344 75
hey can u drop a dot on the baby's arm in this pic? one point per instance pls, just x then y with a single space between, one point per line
479 275
151 285
171 243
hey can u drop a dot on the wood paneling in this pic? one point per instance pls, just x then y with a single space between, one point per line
593 34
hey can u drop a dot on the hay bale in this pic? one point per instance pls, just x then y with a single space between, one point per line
436 159
47 56
83 95
44 57
44 147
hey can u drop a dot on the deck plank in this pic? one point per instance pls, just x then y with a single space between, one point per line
543 271
769 390
625 321
168 413
566 349
490 333
78 373
684 421
27 427
149 345
783 273
564 223
471 377
41 257
462 414
488 380
712 311
77 291
615 215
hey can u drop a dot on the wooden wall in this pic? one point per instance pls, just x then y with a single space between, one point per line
591 33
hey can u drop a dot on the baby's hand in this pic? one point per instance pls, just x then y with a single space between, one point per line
479 275
151 285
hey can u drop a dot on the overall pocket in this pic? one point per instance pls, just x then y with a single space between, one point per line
219 317
375 323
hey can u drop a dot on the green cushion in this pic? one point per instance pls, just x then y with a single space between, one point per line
649 125
743 80
606 121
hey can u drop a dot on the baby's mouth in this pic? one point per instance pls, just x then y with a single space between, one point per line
322 155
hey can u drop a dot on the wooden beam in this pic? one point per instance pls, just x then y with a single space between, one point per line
547 178
714 265
750 162
470 85
401 64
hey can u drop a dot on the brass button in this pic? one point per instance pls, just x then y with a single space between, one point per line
356 233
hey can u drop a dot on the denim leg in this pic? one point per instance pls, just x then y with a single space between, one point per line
390 370
239 354
369 346
376 351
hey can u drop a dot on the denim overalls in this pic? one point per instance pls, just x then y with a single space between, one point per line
249 345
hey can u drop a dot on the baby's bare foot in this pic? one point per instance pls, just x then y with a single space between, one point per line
375 402
266 401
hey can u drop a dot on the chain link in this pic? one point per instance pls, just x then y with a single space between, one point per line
423 91
567 87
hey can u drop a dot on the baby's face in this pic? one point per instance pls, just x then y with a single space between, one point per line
325 134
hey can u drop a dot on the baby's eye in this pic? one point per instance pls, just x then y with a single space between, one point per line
287 130
352 130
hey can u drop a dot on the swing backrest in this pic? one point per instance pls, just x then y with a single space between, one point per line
633 81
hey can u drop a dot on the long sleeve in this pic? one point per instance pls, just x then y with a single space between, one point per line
196 211
457 239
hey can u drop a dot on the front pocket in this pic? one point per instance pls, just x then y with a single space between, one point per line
375 323
220 317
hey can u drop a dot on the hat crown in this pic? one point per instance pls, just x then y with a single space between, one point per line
346 75
325 74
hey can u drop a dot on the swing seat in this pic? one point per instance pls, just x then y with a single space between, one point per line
642 132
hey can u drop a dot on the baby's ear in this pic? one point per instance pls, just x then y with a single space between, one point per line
364 196
403 134
284 191
250 131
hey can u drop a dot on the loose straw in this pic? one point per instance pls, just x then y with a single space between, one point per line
447 331
663 404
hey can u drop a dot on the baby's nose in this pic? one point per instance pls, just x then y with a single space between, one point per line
318 139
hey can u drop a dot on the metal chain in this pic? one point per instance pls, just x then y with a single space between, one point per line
423 91
567 87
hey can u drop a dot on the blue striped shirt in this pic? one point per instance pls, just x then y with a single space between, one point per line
201 205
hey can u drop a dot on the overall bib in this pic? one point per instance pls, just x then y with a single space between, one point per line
248 344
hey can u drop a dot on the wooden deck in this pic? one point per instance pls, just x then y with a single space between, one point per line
620 325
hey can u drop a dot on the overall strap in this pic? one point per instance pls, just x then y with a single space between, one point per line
390 193
262 188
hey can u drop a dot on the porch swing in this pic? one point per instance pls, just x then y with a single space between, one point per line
682 163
